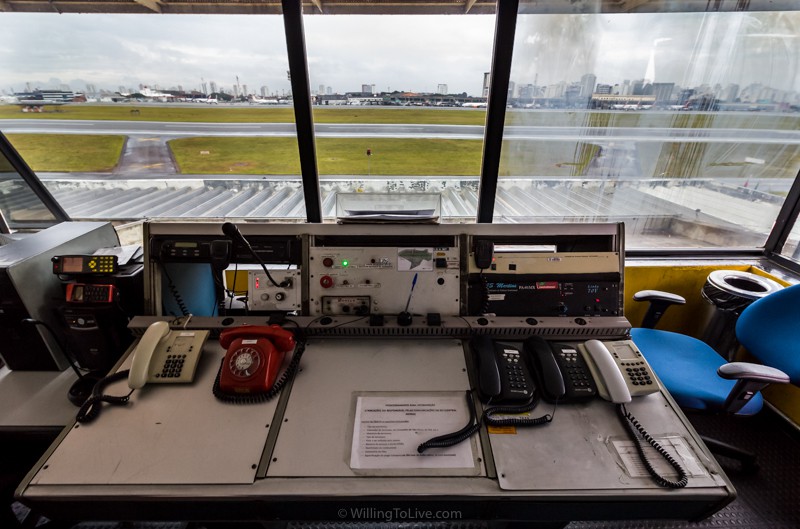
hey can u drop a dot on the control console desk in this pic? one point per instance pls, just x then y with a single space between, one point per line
391 330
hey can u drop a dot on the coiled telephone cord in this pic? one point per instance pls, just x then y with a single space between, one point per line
452 439
256 398
634 427
91 408
488 415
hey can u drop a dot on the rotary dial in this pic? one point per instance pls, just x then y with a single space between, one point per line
245 362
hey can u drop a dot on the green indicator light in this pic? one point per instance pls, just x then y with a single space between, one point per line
345 262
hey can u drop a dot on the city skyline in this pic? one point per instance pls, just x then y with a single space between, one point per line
395 53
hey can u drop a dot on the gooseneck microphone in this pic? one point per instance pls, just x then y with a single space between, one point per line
231 230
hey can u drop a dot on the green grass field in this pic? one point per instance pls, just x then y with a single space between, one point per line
69 152
279 156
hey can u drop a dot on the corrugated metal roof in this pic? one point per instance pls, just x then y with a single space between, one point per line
702 202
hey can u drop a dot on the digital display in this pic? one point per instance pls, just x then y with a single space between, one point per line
188 244
77 293
625 352
72 265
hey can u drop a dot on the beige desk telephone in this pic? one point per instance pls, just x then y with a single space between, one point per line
166 356
619 370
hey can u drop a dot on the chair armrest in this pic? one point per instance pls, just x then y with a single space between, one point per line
756 372
658 295
659 303
750 379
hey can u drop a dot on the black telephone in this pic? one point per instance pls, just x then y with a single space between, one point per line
561 371
503 373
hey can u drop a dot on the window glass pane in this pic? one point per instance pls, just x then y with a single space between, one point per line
19 205
791 248
399 107
683 125
132 116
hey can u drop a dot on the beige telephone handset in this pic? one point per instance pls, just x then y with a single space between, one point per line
619 369
165 356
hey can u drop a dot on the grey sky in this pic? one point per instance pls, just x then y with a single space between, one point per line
401 52
413 53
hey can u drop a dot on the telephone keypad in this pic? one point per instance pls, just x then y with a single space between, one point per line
173 366
515 372
638 373
579 383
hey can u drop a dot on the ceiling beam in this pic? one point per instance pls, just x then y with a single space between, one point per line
152 5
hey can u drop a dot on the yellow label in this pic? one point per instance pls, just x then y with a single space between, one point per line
502 429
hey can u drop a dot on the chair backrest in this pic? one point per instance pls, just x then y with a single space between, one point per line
770 330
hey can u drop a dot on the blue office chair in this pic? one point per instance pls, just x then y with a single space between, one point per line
699 379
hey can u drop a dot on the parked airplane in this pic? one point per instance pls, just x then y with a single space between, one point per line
474 105
255 100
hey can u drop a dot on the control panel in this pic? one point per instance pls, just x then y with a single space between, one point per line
84 264
262 294
510 295
383 280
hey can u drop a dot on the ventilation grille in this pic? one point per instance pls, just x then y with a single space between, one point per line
452 326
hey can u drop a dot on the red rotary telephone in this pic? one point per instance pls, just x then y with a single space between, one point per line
255 353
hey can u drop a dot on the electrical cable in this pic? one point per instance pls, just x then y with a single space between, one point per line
233 232
176 295
635 427
93 405
67 355
485 293
452 439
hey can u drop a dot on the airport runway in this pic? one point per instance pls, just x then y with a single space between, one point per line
473 132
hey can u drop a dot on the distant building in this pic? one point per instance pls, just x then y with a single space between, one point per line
367 88
587 85
730 93
663 92
526 92
486 80
441 89
56 96
620 102
604 89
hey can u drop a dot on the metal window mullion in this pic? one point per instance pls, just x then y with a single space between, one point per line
785 220
505 28
301 96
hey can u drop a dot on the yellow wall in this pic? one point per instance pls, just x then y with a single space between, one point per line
691 318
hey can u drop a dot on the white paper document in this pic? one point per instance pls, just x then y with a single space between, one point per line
388 430
675 446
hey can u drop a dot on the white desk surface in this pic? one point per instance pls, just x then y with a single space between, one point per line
567 462
33 399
